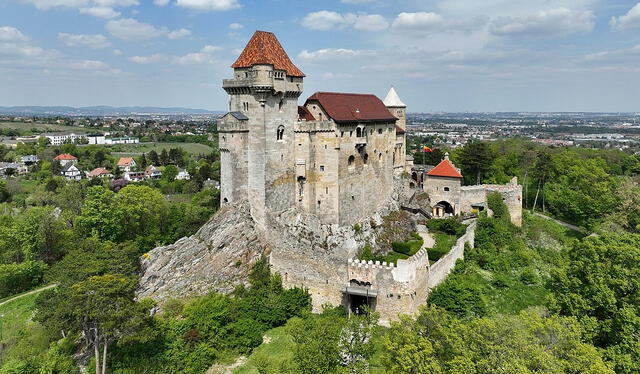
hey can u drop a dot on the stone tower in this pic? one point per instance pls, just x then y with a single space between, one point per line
397 108
256 136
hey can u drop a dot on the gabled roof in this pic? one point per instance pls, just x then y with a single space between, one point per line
393 100
445 169
65 156
305 114
125 161
68 167
264 48
349 107
98 172
237 115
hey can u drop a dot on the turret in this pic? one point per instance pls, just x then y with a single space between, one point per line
397 108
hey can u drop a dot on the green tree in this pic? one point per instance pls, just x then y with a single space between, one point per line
97 216
153 158
169 173
476 159
164 157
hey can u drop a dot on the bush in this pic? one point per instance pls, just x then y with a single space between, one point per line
410 246
16 278
499 208
449 225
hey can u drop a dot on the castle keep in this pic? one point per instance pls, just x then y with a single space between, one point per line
333 157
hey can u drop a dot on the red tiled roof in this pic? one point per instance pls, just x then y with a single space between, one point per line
349 107
305 114
97 172
65 156
264 48
445 169
125 161
400 130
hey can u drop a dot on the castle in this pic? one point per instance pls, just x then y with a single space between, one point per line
335 158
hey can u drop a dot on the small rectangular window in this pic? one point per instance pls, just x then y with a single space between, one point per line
321 167
326 190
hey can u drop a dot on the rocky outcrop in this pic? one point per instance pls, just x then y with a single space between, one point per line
216 258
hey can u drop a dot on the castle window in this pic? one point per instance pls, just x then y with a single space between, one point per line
350 134
321 167
379 131
325 146
351 160
359 132
342 134
280 104
446 189
320 116
366 158
371 132
280 133
326 190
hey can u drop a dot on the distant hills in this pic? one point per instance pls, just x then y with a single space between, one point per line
98 111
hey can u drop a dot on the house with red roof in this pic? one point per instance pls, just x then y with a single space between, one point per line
99 173
126 163
65 159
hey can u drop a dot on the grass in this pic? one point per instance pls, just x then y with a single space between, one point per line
26 128
16 315
444 243
123 150
279 349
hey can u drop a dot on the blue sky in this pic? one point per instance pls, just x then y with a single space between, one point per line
441 55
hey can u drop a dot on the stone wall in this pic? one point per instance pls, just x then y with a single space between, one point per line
403 288
437 187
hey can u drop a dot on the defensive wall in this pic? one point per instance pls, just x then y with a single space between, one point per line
403 288
511 195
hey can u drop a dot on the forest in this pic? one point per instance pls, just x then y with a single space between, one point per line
537 299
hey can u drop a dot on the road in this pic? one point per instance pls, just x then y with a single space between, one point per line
28 293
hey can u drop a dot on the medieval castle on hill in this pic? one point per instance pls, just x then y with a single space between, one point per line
335 157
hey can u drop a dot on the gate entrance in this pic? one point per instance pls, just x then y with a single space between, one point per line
358 296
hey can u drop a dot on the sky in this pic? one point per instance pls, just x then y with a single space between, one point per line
440 55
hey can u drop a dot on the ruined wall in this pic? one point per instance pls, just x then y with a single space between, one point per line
512 197
472 195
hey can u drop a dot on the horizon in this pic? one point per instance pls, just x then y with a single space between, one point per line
454 56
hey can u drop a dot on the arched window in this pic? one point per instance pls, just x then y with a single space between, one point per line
280 133
359 132
351 160
366 158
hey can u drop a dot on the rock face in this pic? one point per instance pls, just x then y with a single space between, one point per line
216 258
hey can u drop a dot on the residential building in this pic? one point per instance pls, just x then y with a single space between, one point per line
134 176
29 160
100 173
183 175
65 159
126 163
71 172
152 172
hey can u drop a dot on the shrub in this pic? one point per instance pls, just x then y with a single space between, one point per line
499 208
16 278
449 225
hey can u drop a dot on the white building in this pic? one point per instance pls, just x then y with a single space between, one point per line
59 138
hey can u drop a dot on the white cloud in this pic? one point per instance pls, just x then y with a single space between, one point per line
545 23
149 59
629 21
117 52
177 34
209 5
161 2
355 1
204 56
235 26
88 65
100 12
11 34
95 41
329 20
47 4
333 54
370 22
133 30
418 20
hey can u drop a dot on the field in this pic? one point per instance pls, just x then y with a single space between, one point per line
140 148
14 316
26 128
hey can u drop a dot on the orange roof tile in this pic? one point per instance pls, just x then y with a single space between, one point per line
264 48
125 161
445 169
65 156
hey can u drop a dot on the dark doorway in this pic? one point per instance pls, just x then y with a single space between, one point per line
448 208
357 303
